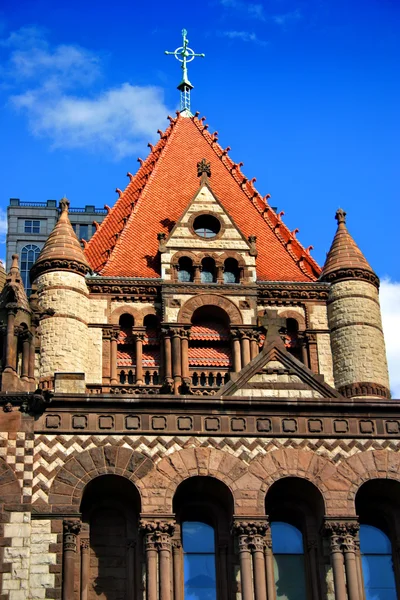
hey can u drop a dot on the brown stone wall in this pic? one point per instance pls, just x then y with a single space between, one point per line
358 345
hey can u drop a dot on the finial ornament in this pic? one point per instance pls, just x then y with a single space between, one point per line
203 167
184 55
340 216
64 204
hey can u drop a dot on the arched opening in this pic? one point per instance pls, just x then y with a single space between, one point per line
185 269
23 330
29 255
210 356
231 271
296 510
377 506
204 509
110 510
126 347
208 270
151 350
292 339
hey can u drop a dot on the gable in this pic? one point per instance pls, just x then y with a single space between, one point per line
275 373
126 244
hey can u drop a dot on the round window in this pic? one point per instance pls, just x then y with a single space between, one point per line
206 226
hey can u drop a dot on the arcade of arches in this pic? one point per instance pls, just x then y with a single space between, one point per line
200 546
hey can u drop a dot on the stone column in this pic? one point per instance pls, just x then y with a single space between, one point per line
312 560
85 568
177 568
176 359
167 357
106 358
158 558
139 337
269 569
313 351
26 337
113 360
254 339
245 347
339 531
185 356
349 548
251 538
31 367
11 347
236 357
71 530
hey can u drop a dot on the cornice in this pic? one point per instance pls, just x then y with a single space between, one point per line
351 274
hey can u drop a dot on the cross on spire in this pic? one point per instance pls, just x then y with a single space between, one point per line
184 55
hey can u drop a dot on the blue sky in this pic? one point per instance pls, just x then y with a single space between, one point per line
306 93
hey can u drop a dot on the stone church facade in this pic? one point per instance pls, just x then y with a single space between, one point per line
192 369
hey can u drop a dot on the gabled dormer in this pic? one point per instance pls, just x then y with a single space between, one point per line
206 245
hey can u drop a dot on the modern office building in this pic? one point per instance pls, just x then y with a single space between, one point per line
30 223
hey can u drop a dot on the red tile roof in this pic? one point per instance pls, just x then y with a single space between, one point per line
210 357
209 331
126 245
151 358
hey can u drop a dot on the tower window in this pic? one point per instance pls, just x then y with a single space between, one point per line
206 226
208 270
231 271
32 226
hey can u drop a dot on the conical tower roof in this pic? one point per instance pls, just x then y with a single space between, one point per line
126 244
345 259
13 290
62 250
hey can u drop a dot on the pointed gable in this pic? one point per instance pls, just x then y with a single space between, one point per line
126 244
275 373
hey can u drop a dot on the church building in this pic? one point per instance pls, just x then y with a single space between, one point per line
191 407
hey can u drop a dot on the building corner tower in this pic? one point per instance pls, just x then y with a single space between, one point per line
63 303
358 346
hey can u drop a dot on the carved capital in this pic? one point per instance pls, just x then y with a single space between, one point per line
251 534
343 535
157 534
85 544
71 529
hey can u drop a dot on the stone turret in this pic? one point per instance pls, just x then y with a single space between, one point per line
59 276
358 346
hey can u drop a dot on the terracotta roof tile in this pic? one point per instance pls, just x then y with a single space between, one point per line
151 358
209 357
126 245
209 331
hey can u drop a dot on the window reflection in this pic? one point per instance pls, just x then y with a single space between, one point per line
377 564
199 561
287 548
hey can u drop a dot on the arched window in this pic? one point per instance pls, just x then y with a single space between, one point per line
29 255
208 270
288 551
185 269
231 271
199 574
292 341
377 564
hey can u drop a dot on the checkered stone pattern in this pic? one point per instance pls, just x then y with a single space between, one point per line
52 451
17 450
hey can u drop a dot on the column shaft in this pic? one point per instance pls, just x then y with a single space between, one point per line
245 572
113 369
269 572
165 572
151 573
85 566
185 356
167 357
11 350
25 355
245 347
71 530
351 574
31 368
260 589
177 570
338 574
139 359
237 361
253 347
176 361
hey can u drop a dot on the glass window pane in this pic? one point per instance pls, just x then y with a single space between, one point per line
199 576
197 537
84 232
289 577
286 539
374 541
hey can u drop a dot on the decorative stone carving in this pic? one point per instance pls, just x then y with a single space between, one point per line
71 528
251 534
157 534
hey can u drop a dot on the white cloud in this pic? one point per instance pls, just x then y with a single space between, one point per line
54 88
390 306
286 18
256 11
3 225
244 36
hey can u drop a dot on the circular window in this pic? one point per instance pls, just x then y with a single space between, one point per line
206 226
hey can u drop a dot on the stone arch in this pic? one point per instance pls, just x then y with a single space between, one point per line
185 254
232 254
128 310
364 466
294 462
147 310
292 314
187 310
161 485
10 488
75 474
